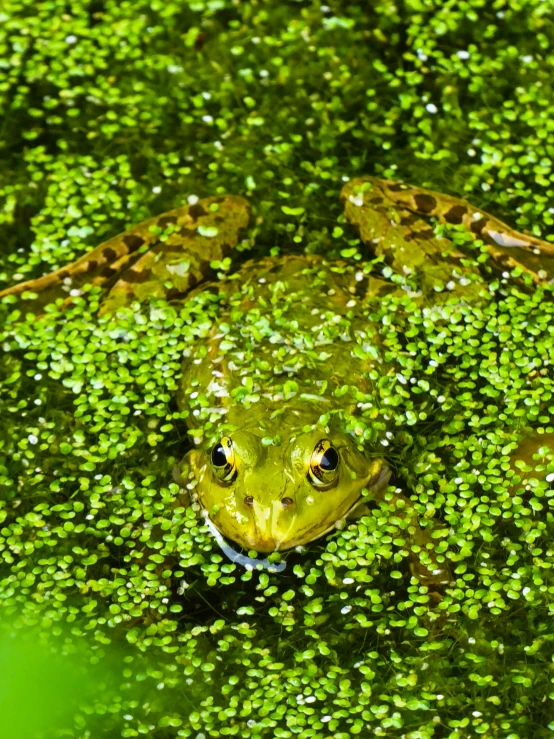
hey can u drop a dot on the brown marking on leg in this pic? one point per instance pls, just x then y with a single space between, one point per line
172 293
197 210
455 214
133 242
408 219
424 202
423 235
187 233
477 226
109 254
165 221
133 276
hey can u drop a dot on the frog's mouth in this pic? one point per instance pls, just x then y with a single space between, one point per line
248 563
251 563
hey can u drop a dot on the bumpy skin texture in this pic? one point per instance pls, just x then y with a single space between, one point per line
268 380
388 215
163 257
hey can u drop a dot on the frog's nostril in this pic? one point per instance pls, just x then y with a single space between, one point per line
249 501
287 502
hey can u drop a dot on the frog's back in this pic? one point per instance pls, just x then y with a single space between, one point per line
283 344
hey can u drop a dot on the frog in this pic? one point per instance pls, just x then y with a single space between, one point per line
278 469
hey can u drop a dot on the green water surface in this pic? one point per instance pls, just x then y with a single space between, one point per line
112 112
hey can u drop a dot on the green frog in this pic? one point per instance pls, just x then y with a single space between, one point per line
292 343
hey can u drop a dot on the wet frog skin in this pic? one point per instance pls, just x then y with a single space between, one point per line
266 476
279 468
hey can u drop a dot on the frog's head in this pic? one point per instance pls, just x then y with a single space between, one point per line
270 498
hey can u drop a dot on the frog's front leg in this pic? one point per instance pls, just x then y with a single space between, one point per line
162 257
420 544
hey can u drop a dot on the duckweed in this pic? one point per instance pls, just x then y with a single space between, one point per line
114 112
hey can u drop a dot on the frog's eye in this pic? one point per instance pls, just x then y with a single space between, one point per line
324 465
223 460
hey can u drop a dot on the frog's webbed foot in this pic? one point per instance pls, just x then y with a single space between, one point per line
388 216
161 257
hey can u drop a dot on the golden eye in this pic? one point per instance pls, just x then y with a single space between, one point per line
324 465
223 460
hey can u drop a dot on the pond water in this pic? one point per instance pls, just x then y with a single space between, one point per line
114 589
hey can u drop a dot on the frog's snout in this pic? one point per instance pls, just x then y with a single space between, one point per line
271 524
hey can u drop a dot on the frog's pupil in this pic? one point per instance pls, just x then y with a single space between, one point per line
329 460
218 456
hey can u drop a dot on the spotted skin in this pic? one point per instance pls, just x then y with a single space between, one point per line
388 215
193 236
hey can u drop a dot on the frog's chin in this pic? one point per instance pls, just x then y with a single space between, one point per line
270 544
251 563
